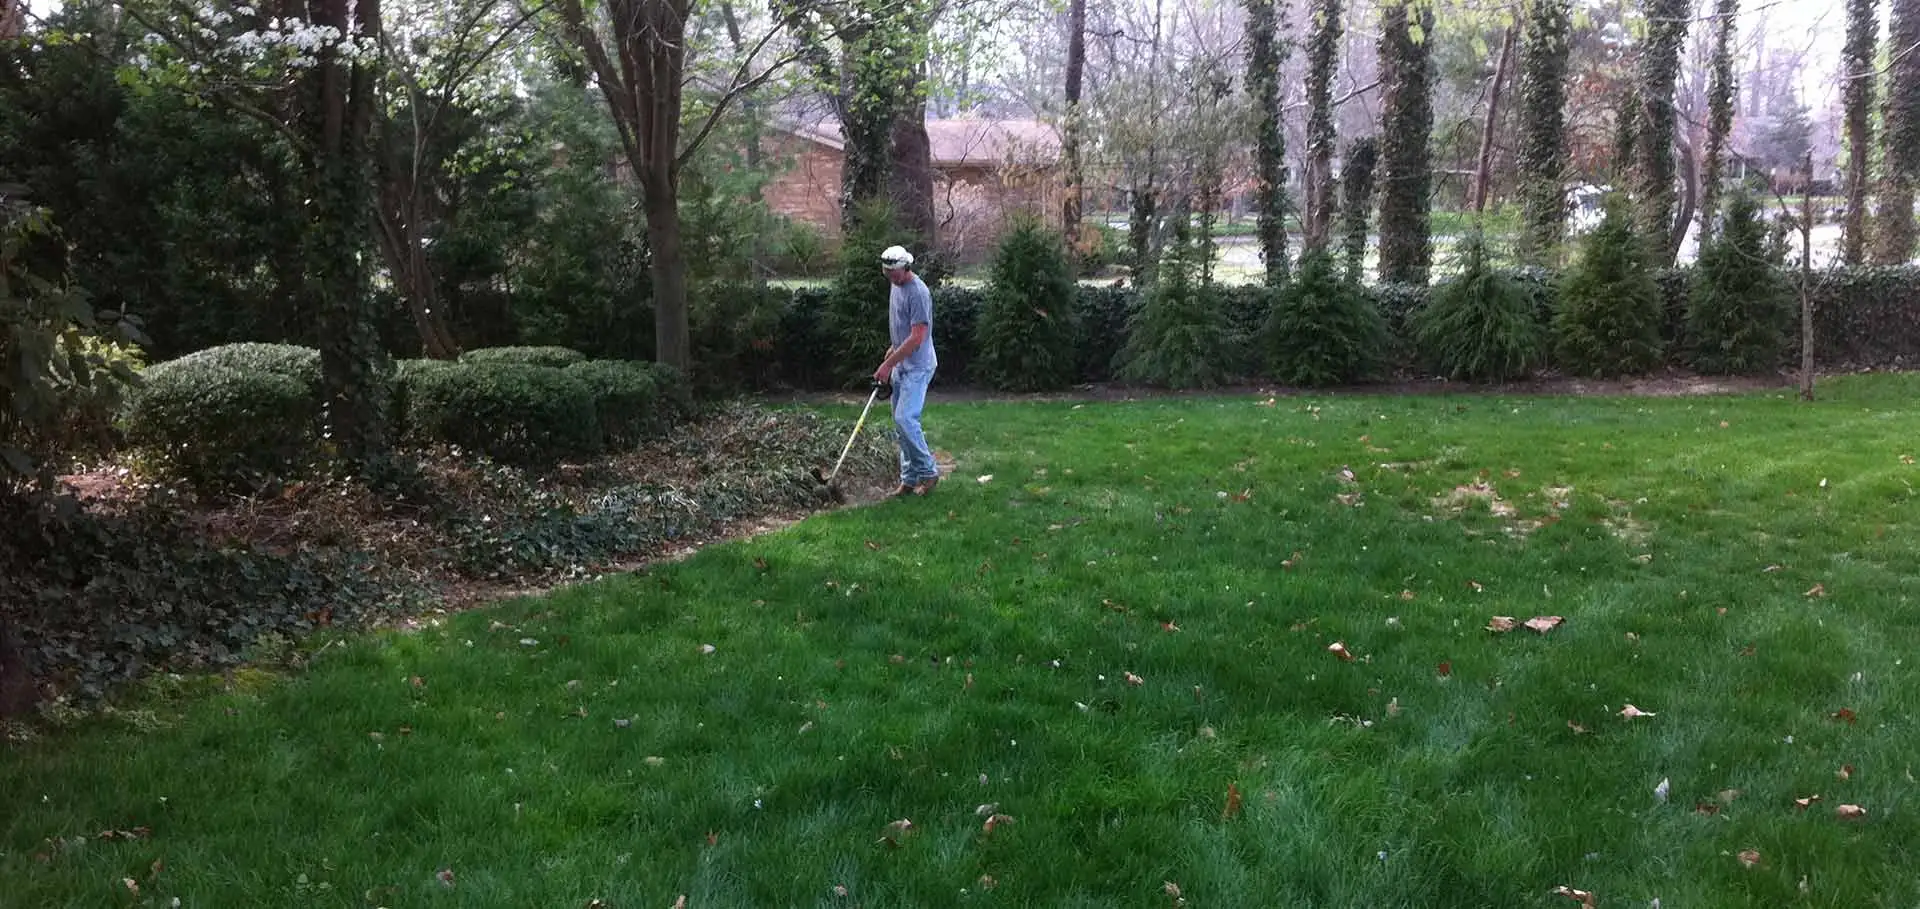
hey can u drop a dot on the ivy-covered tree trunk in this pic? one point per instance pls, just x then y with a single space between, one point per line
1265 55
1073 197
401 210
1720 90
1323 50
1857 68
870 98
910 172
1141 213
1543 141
1406 124
1900 153
337 116
1654 130
1356 190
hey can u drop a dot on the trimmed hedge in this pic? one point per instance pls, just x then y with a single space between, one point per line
556 357
512 412
235 416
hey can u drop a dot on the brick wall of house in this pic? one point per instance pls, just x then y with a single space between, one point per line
807 188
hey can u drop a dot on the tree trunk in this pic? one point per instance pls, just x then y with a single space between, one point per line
1689 195
1720 92
1900 138
1543 143
1356 187
1483 171
1073 197
1863 28
1264 58
1659 68
398 230
13 19
1406 161
1806 285
1322 56
349 345
910 177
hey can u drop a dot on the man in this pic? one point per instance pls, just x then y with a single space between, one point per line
909 367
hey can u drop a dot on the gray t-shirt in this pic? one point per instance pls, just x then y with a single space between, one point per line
908 305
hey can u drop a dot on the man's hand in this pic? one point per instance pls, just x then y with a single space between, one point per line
883 374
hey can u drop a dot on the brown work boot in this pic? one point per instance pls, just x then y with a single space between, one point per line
904 490
926 486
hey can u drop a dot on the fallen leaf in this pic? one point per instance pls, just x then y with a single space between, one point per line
446 877
893 833
1134 679
1807 802
713 838
871 545
1501 624
1393 707
132 885
1544 623
1340 650
1233 803
1844 773
1707 808
1660 791
1849 812
760 563
1445 668
1631 711
680 903
1726 796
1817 590
987 882
985 478
1406 596
1749 857
1171 889
1577 728
1113 607
1169 626
1583 897
839 890
995 821
1477 588
1845 715
1632 638
1288 563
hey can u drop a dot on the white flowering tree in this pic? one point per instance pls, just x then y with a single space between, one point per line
308 71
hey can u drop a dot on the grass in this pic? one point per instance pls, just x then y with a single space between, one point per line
925 658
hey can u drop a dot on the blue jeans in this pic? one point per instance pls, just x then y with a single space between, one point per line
909 398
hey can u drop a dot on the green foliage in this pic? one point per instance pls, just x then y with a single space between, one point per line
1178 337
1740 309
237 416
1027 331
735 328
1356 200
550 355
1608 322
857 309
59 381
512 412
1480 325
1104 314
634 401
1720 92
1324 330
1857 55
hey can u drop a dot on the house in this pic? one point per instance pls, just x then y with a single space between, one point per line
985 171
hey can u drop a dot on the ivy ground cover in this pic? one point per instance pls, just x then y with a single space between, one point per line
1329 651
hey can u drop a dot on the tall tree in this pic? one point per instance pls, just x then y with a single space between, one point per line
1543 140
642 79
1266 53
1073 198
1720 95
1483 166
1900 148
1406 127
1323 50
1863 34
1655 128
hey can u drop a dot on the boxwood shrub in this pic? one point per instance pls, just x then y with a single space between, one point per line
233 416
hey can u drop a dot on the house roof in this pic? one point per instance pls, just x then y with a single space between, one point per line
963 141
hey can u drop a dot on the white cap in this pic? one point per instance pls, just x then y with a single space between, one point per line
896 257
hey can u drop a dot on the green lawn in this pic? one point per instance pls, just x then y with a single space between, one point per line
1122 629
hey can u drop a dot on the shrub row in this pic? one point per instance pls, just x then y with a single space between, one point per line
241 414
1867 317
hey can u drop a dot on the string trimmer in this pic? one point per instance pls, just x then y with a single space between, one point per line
880 391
